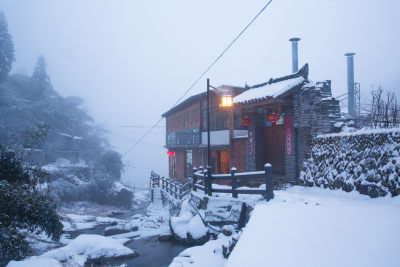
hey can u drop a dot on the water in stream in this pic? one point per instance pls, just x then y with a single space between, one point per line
152 252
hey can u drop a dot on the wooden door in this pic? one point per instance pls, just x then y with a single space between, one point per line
274 141
224 161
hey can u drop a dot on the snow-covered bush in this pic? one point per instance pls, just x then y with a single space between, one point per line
70 185
367 161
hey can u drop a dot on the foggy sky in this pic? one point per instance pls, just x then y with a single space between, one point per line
131 60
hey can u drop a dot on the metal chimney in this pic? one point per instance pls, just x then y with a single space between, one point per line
350 83
295 54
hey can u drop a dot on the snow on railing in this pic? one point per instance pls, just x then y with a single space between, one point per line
201 181
173 188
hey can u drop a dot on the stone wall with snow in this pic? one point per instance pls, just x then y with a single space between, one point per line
367 161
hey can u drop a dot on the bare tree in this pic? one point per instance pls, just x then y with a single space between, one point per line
385 108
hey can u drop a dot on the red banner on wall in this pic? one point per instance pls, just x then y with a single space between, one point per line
288 136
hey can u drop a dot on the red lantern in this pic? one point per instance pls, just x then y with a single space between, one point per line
171 153
246 122
273 118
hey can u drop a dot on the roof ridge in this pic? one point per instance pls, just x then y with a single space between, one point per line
303 72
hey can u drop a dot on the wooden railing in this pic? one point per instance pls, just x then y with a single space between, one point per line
169 186
202 181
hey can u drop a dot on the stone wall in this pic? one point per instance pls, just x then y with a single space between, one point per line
314 112
366 161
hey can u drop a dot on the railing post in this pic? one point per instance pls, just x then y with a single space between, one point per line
204 181
234 182
194 179
176 190
180 192
268 182
151 190
209 184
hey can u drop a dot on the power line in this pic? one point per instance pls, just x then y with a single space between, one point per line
203 73
135 126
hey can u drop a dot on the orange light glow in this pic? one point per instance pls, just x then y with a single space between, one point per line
226 101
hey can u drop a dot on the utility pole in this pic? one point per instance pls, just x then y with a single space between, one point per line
208 184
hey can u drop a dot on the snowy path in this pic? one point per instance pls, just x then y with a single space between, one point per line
317 227
155 221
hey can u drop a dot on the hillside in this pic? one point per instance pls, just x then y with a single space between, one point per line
57 133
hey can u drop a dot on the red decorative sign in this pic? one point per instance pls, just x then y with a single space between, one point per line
288 136
273 118
250 143
171 153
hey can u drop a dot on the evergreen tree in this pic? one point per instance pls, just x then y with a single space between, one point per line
6 49
40 81
23 207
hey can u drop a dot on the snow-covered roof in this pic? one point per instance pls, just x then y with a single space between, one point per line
268 91
273 88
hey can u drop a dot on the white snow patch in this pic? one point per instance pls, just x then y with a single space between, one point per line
362 131
196 227
320 227
35 262
89 247
270 90
209 254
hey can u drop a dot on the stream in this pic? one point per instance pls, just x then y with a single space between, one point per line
152 252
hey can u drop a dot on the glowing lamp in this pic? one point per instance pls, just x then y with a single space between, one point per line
227 101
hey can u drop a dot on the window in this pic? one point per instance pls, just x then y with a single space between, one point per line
188 163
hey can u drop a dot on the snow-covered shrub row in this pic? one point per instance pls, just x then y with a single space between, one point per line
77 183
367 161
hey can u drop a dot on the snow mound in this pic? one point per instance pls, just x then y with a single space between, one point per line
89 247
35 262
188 227
209 254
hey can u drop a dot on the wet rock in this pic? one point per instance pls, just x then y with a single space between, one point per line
119 229
165 237
228 230
108 261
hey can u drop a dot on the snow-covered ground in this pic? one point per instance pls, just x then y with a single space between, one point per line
207 255
319 227
305 226
76 253
155 221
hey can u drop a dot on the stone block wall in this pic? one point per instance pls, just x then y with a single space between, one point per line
314 112
365 161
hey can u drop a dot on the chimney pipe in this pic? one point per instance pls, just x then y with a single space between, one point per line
350 83
295 54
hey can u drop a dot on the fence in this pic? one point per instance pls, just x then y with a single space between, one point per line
202 181
171 187
206 180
